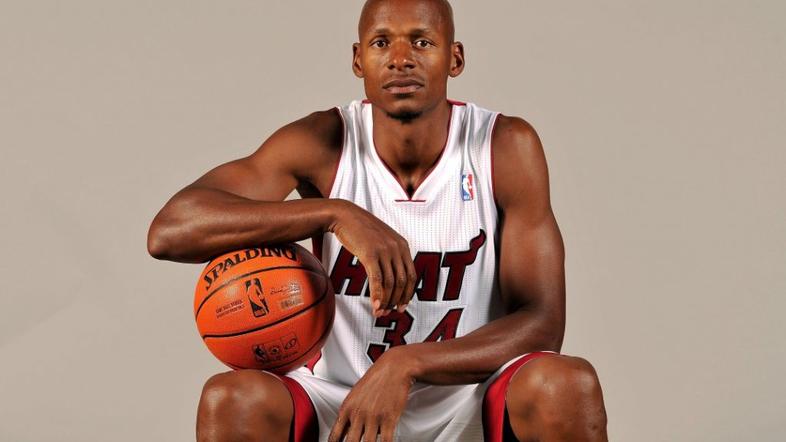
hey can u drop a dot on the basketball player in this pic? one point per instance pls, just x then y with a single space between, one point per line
433 220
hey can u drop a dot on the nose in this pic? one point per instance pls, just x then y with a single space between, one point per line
401 56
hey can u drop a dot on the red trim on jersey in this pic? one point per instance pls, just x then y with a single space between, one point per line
366 101
491 152
496 427
313 362
341 152
410 201
304 422
430 169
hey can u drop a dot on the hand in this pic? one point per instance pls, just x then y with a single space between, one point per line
374 405
383 253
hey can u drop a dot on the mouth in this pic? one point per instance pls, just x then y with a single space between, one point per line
402 86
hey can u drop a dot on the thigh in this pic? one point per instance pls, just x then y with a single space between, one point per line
496 424
438 413
474 412
319 401
305 427
243 404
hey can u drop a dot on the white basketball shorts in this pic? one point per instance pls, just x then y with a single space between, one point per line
434 413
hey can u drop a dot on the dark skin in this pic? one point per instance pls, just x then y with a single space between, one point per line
239 204
531 262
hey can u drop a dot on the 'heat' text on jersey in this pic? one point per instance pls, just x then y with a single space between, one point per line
427 265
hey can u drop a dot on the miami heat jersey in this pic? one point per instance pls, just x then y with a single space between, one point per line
450 223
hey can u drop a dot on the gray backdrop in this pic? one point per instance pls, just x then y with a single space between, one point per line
663 124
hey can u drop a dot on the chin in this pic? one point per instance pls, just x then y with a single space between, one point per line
404 112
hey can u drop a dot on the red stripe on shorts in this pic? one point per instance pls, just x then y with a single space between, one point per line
494 400
304 423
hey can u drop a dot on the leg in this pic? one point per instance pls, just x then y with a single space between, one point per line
556 398
244 405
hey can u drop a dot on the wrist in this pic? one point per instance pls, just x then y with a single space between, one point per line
336 210
407 360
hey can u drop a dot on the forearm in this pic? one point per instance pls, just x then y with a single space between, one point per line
200 223
476 356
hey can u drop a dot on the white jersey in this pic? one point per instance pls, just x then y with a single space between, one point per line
450 222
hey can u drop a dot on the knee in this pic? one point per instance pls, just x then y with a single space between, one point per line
245 394
556 382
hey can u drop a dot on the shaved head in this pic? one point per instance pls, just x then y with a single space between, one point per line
443 6
405 54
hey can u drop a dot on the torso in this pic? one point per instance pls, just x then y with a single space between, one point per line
450 222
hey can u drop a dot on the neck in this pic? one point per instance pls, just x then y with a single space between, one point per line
411 148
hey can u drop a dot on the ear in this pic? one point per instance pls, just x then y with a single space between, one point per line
356 67
457 59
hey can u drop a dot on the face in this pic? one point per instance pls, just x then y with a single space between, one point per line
405 56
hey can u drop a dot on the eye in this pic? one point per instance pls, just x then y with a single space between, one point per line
423 43
379 43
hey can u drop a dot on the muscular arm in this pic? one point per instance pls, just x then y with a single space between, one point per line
239 204
531 272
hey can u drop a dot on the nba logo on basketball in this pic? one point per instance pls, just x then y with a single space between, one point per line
256 297
467 187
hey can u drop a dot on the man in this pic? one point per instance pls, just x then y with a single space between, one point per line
434 221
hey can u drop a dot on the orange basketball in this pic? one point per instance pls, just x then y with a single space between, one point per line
269 308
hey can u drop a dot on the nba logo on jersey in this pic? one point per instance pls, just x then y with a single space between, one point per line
467 189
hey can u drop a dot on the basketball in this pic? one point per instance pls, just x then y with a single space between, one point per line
268 308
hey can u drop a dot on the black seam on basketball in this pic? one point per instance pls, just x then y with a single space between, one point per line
305 309
224 284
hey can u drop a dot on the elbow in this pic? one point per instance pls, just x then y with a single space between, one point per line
156 243
169 241
170 232
553 330
163 237
545 338
555 338
545 329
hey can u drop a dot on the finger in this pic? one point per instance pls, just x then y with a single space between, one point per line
370 432
389 282
375 283
412 279
397 296
355 430
386 431
337 432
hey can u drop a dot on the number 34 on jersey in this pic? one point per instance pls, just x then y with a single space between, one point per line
349 279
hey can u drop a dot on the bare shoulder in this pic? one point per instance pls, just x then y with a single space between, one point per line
520 170
320 129
308 148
